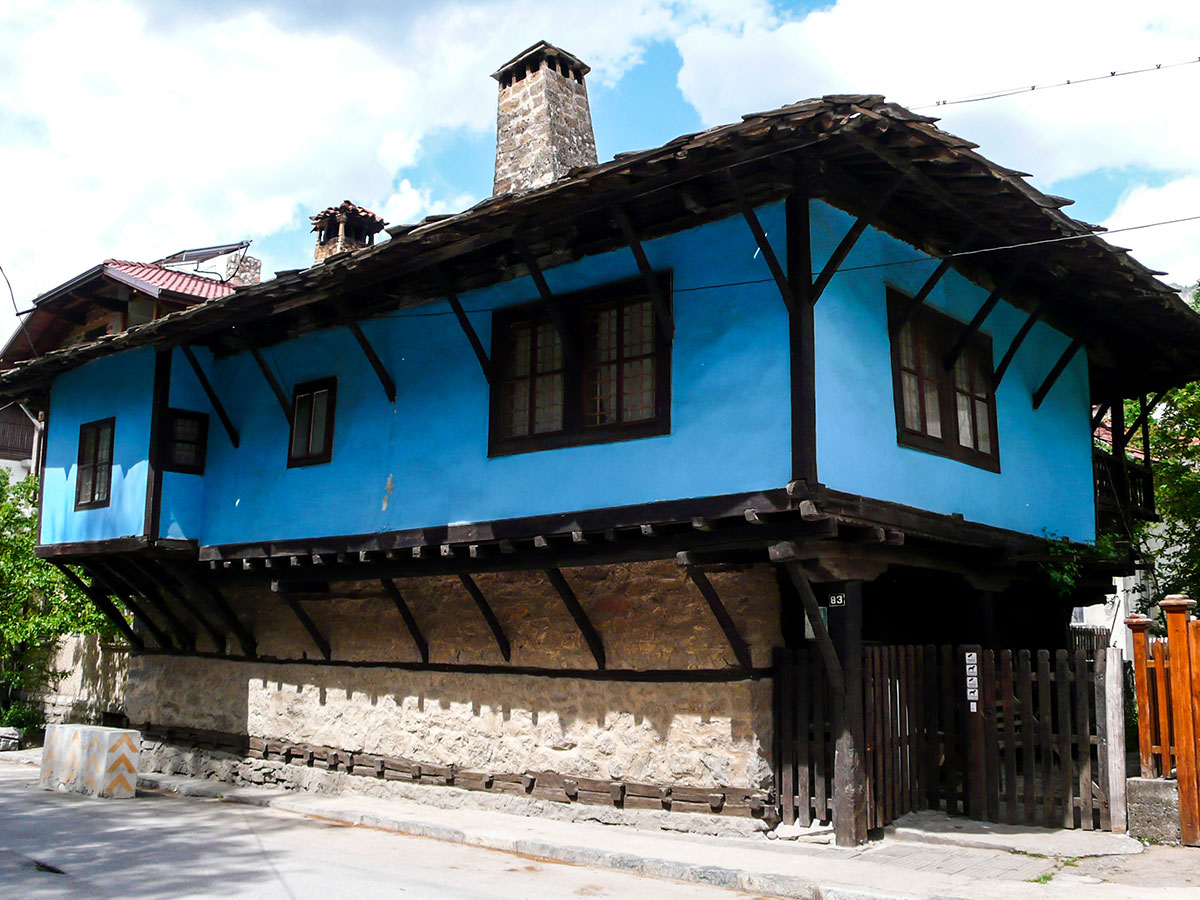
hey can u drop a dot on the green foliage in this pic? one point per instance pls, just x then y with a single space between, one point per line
1067 559
38 606
22 715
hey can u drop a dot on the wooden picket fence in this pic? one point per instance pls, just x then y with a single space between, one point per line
1022 738
1167 679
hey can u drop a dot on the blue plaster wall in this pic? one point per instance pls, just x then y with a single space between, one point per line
1045 478
119 386
730 429
183 494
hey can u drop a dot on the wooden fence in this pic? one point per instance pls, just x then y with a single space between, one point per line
1167 675
1017 737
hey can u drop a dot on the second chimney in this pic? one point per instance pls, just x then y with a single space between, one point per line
543 123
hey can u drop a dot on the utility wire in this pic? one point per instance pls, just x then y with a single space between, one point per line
20 320
1025 89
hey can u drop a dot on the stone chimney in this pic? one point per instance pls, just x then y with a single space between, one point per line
543 123
241 270
344 228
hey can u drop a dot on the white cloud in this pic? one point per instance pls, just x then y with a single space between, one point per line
1174 249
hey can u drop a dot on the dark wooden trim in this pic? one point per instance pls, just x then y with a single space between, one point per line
410 620
1017 341
106 582
760 238
801 341
106 607
97 426
1063 361
389 385
90 548
118 567
856 230
968 331
662 309
211 394
786 553
650 676
309 625
329 385
741 650
468 329
488 616
219 603
582 622
901 316
274 384
167 443
1099 414
168 585
1143 419
161 400
553 307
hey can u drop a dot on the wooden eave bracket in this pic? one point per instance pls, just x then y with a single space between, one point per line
1017 341
310 626
1059 367
107 583
244 637
764 245
381 372
737 643
485 363
590 635
969 330
184 636
285 402
211 394
786 553
662 309
931 282
1143 414
148 572
490 617
548 298
410 620
106 607
851 238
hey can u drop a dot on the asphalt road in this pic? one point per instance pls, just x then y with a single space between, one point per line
159 846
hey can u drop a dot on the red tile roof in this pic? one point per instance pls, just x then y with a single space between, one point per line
169 280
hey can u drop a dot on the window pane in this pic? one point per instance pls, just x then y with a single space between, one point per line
185 428
185 454
604 338
320 421
104 445
929 363
639 329
548 403
600 401
637 402
89 446
983 423
514 408
912 401
962 379
302 424
83 493
979 378
966 433
908 358
933 415
103 476
518 361
549 348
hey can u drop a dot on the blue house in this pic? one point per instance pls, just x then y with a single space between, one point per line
534 498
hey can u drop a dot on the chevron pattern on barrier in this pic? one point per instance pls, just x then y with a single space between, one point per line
89 759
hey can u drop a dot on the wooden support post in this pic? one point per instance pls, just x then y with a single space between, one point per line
662 309
149 573
829 654
447 288
1114 719
106 607
1139 624
213 399
389 386
849 769
184 636
406 614
740 648
851 238
976 770
1099 414
1143 419
490 617
309 625
219 603
1017 341
590 635
1176 609
285 402
801 342
1063 361
764 245
106 582
159 404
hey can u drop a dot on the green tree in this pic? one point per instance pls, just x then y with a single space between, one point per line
38 606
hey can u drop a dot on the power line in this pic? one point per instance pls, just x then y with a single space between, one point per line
1025 89
20 321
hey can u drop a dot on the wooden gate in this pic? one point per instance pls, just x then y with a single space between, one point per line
1015 737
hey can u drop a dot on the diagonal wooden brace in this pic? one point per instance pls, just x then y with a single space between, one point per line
559 581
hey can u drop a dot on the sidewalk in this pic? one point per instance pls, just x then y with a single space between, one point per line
925 857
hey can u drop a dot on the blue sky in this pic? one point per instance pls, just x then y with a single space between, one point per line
134 128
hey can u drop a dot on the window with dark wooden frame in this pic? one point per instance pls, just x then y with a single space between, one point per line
185 442
948 412
313 404
93 474
610 381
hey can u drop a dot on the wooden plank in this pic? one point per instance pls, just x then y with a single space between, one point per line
906 689
821 770
381 372
1162 678
578 614
1009 711
488 616
851 237
737 643
1045 735
1138 625
1143 416
917 657
1100 791
1028 736
213 399
976 768
1194 643
830 656
116 567
786 703
1183 720
764 245
106 582
932 745
160 580
1053 375
895 761
849 774
1083 738
951 688
877 683
801 340
219 603
991 740
802 736
910 309
1114 702
1067 772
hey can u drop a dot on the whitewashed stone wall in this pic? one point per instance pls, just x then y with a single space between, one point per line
649 616
93 686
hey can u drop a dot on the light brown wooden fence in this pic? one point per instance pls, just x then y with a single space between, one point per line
1167 673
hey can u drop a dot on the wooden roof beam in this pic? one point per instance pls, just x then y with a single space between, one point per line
1017 341
285 402
662 309
410 620
582 622
102 603
1059 367
464 323
381 372
851 238
213 399
488 616
764 246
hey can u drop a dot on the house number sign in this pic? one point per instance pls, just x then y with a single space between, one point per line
972 661
837 599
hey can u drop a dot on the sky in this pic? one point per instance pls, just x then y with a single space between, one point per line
135 128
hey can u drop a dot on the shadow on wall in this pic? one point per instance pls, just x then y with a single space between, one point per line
92 689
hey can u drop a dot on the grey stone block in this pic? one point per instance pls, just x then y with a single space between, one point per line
1153 805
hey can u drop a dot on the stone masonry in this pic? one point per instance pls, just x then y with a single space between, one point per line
648 615
543 121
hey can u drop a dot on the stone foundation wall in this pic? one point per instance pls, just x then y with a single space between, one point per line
649 616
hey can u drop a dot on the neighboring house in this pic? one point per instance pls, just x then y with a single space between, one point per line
525 499
18 437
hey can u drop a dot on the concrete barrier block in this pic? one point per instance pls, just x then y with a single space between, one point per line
1153 805
89 759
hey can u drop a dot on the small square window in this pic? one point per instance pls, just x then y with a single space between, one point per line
93 474
185 442
311 440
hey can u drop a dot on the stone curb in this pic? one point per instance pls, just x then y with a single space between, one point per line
766 883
